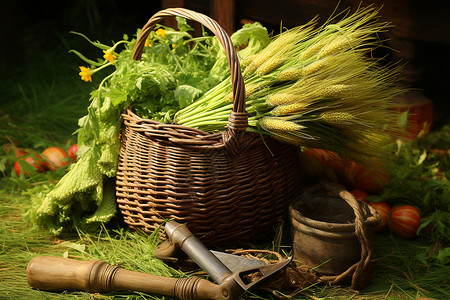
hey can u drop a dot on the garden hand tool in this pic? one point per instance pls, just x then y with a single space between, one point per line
58 274
171 253
53 273
180 238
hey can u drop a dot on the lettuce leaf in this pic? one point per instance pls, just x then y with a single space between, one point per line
186 94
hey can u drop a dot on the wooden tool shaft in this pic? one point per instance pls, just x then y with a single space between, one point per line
52 273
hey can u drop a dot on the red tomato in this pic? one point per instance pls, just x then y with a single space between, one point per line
328 165
55 158
73 151
318 154
383 210
347 177
420 114
336 164
337 167
18 152
34 160
404 221
311 163
17 168
360 195
371 180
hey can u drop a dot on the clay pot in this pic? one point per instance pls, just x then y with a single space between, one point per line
323 232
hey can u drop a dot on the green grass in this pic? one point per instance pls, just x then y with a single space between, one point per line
20 242
396 273
42 101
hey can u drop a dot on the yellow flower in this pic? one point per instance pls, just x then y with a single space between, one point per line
147 43
109 56
173 45
161 32
85 74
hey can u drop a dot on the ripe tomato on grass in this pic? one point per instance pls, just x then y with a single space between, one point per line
311 163
55 158
324 164
372 180
360 195
73 151
33 159
19 152
383 209
404 221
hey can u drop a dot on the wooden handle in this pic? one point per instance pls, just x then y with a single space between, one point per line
58 274
52 273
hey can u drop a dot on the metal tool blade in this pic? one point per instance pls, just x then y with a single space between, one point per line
264 273
237 263
169 253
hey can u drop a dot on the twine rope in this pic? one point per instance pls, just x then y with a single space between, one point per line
359 272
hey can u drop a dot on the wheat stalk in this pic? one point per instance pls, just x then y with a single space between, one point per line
250 90
289 108
340 43
247 61
281 44
311 50
336 90
269 65
277 124
315 66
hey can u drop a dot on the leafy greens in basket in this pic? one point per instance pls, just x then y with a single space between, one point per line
174 70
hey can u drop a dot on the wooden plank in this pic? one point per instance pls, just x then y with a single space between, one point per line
224 12
411 20
171 22
172 3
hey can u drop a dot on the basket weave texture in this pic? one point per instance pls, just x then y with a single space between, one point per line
228 187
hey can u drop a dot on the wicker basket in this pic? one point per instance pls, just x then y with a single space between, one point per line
228 187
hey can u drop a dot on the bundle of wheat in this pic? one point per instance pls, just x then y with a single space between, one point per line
315 87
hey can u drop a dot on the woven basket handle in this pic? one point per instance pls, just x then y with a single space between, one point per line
238 118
